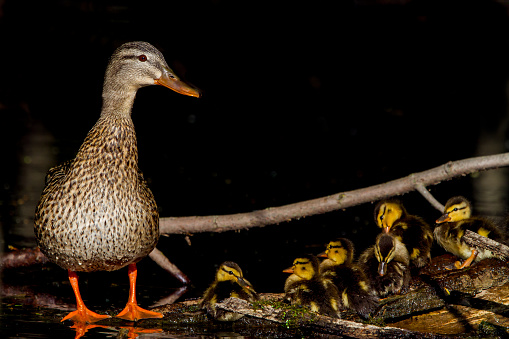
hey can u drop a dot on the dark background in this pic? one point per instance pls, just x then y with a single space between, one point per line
299 101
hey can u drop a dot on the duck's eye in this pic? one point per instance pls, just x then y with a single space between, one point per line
142 58
230 272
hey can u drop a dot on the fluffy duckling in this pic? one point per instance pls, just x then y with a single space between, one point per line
352 283
229 282
387 265
456 219
306 287
411 230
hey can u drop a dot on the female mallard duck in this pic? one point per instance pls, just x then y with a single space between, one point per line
305 286
96 211
352 283
456 219
229 282
387 265
411 230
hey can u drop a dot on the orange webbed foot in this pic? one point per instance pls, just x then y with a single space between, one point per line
133 312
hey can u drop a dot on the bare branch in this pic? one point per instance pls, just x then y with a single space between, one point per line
165 263
428 196
276 215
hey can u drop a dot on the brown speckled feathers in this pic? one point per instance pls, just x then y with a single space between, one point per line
96 211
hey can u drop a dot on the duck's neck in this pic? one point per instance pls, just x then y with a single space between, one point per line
118 98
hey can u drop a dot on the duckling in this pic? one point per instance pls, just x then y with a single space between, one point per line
452 224
229 282
387 265
96 212
411 230
352 283
305 286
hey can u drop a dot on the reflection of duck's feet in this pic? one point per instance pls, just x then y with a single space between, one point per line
85 316
133 312
82 328
132 332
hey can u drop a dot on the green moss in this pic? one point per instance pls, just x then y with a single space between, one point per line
489 330
292 315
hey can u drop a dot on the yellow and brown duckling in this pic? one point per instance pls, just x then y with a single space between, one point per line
386 265
229 282
96 212
451 227
411 230
353 285
306 287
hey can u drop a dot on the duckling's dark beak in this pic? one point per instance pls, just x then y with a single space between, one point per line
443 218
322 255
170 80
243 283
288 270
382 268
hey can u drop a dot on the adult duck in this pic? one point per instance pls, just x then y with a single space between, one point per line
96 212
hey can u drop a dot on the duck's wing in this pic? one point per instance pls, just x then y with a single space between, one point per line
55 174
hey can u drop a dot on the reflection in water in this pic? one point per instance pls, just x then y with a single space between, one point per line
123 331
34 160
491 188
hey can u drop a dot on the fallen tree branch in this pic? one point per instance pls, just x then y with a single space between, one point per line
276 215
500 251
168 266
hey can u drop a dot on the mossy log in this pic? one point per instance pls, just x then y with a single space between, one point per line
439 302
301 318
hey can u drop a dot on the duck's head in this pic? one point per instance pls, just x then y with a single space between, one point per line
305 267
386 247
137 64
456 209
230 271
387 212
340 251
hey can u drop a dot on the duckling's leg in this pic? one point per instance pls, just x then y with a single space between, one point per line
132 311
82 314
468 261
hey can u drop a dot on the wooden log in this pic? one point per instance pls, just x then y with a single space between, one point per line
434 291
319 322
21 258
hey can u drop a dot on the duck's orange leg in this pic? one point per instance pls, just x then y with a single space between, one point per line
468 261
132 311
82 314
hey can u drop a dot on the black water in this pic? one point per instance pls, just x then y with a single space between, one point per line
300 101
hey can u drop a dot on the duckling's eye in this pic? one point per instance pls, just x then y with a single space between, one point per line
455 209
230 272
142 58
